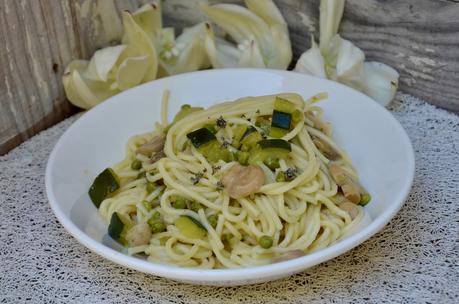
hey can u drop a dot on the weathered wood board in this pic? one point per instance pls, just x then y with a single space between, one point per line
420 38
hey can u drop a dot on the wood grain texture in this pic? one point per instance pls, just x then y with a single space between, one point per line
420 38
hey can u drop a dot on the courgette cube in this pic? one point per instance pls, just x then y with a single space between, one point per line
275 143
190 227
200 137
281 120
269 149
283 105
213 152
104 185
277 132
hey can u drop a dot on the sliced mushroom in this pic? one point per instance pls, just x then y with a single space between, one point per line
350 188
289 255
241 181
325 148
153 146
140 234
157 156
350 208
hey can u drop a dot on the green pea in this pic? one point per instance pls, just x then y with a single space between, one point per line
213 220
136 164
280 177
185 106
265 241
272 163
150 187
158 226
195 206
179 203
365 199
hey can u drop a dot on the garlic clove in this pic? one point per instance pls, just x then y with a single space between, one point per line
380 82
102 62
311 62
331 12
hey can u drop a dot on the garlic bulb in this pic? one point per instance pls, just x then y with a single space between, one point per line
260 33
340 60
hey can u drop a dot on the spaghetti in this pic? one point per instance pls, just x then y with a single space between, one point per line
242 183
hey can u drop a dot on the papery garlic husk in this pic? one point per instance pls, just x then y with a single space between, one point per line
380 82
187 53
240 23
251 57
69 87
331 12
221 53
82 92
280 54
311 62
131 72
245 26
344 62
102 62
148 17
138 45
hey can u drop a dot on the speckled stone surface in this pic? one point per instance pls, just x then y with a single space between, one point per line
415 259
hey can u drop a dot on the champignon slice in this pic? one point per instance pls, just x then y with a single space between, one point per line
289 255
153 146
350 208
241 181
325 148
139 234
350 188
157 156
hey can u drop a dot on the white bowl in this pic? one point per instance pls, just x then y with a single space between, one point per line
377 144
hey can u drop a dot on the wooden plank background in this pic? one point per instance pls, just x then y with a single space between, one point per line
420 38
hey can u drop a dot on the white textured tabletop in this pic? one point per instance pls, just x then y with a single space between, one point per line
415 259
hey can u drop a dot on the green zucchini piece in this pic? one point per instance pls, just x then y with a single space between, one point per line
213 152
281 120
250 139
277 132
283 105
275 143
190 227
200 137
116 227
104 185
269 149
